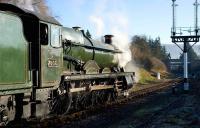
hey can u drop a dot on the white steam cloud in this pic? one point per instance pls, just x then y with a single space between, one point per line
117 23
119 28
99 23
122 41
107 15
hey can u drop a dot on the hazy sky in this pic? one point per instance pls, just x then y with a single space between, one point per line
143 17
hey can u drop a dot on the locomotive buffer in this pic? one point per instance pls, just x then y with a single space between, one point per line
185 35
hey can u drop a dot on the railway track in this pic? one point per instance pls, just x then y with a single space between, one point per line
152 89
146 123
176 104
66 119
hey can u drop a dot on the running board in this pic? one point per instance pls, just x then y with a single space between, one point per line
91 88
74 77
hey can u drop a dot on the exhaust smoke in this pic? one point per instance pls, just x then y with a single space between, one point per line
27 4
38 6
126 60
116 21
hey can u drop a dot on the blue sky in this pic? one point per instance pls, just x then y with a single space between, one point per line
131 17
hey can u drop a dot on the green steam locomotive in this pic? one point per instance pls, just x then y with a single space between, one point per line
46 65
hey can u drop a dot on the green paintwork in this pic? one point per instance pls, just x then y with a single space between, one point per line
77 37
104 55
81 54
13 54
51 63
103 59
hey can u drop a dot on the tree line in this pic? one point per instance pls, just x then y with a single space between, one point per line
146 50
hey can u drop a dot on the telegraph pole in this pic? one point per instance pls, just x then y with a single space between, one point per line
181 37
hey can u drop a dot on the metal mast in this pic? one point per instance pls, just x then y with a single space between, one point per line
185 39
174 17
196 4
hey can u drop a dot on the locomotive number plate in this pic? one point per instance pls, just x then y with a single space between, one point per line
52 63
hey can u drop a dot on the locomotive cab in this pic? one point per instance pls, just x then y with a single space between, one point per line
51 54
31 52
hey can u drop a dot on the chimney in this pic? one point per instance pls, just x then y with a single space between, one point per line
108 39
77 28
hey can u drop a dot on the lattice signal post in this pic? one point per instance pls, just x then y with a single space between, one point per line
185 35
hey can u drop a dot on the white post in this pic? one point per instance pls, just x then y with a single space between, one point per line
158 75
186 84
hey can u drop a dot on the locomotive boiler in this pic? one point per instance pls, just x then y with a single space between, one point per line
46 65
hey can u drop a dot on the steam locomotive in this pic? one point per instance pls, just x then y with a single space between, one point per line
46 65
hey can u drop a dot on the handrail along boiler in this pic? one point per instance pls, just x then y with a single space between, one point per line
46 65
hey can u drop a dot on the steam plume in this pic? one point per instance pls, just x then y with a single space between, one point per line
99 23
117 22
121 39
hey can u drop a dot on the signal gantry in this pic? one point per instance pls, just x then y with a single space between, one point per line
185 35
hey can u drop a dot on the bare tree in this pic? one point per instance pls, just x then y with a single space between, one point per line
41 7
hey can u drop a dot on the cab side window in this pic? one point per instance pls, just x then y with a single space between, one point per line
44 34
55 36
